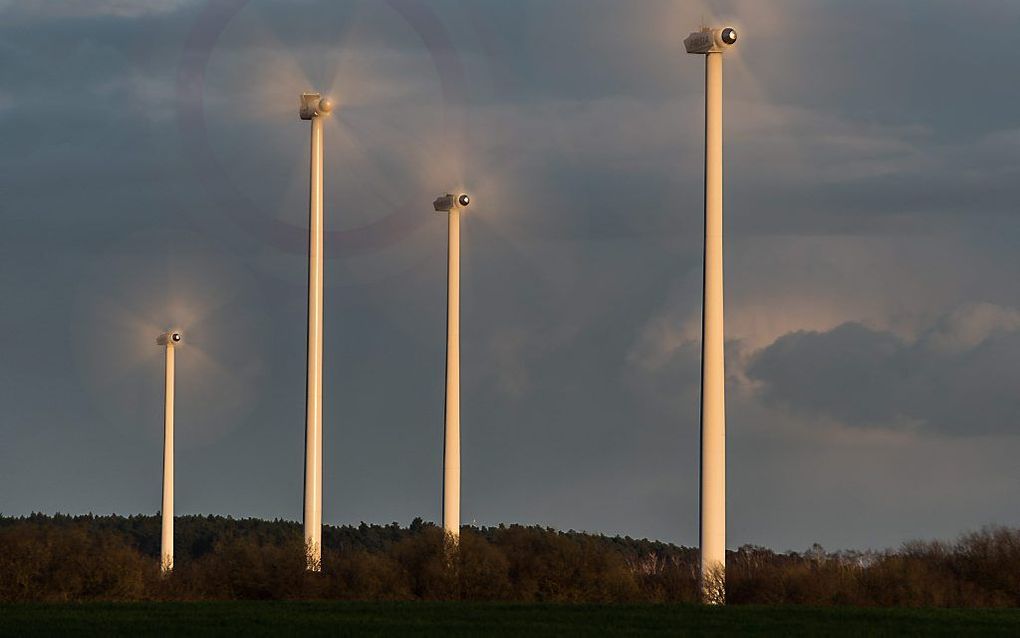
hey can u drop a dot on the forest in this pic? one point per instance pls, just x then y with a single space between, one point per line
114 558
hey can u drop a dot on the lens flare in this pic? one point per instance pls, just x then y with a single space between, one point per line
174 284
382 73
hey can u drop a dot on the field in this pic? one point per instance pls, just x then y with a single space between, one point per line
472 619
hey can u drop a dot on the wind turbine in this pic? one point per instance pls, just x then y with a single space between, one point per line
314 107
166 553
452 205
712 43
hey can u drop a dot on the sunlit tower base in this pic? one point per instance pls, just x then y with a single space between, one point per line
712 43
170 340
452 205
314 107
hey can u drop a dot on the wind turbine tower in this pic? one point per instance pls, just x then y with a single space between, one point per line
452 205
314 107
712 43
170 340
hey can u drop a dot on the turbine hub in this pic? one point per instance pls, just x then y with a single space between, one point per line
313 104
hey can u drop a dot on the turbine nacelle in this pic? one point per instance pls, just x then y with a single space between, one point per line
172 338
710 40
449 202
313 104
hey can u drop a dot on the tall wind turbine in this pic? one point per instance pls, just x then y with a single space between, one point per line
166 552
712 43
452 205
314 107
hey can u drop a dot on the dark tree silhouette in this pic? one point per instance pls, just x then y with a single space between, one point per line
87 558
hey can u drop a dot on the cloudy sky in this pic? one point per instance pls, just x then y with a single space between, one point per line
153 174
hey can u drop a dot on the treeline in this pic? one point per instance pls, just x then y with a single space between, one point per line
87 558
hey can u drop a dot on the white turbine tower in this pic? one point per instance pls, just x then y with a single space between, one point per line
452 205
314 107
712 43
166 552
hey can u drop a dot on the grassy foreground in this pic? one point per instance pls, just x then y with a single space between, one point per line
473 619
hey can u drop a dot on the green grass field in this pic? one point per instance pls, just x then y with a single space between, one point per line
473 619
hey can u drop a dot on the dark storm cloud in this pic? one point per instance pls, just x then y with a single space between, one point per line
958 378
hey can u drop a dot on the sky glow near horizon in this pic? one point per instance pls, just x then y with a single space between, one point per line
873 316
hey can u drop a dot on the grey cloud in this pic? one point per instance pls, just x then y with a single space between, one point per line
613 149
959 378
126 9
584 150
